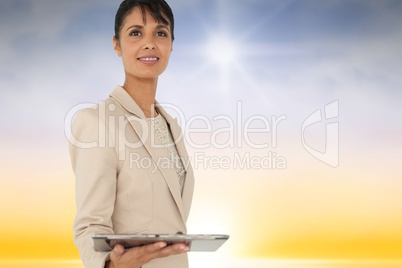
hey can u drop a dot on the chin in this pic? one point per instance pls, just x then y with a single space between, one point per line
151 75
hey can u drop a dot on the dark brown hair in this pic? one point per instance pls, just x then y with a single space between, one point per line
159 10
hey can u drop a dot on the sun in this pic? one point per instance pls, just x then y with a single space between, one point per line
221 50
226 56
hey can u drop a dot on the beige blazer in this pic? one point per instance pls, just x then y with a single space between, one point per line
123 184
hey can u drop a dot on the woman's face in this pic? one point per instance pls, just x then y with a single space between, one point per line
145 48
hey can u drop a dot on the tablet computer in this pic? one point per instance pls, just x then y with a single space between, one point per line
196 242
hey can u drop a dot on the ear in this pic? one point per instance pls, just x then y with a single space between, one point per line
116 46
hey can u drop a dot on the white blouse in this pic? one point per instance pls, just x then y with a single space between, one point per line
163 137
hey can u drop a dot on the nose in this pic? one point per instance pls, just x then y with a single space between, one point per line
149 45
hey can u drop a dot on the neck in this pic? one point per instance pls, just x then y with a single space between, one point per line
143 91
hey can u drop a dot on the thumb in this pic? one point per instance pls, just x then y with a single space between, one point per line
118 250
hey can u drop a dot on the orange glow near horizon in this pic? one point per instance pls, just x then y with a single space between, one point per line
275 214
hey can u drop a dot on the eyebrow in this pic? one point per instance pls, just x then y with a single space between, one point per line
159 26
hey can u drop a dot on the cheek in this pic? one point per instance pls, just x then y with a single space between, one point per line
129 56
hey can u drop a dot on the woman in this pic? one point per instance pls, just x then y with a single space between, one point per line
115 191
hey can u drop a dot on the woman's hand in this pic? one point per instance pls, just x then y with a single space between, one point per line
135 257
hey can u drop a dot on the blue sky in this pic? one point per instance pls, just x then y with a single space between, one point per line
58 41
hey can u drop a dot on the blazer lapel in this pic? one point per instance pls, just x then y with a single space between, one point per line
137 121
177 134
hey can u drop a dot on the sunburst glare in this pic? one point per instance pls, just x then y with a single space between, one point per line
221 50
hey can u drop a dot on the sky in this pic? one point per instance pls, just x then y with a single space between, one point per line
309 90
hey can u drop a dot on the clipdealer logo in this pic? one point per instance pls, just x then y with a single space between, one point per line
326 117
232 133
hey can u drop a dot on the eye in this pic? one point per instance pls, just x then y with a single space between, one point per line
161 34
135 33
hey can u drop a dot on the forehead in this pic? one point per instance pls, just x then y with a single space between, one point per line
137 17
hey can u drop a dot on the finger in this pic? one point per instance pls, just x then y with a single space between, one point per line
170 250
175 249
152 248
117 252
144 254
161 250
119 249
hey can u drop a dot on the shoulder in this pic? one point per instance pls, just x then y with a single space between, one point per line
98 112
